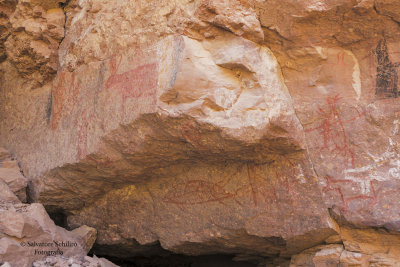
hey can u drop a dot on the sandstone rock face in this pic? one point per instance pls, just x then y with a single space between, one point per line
7 195
226 126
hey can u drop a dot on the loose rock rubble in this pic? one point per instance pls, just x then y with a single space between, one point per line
27 233
354 247
73 262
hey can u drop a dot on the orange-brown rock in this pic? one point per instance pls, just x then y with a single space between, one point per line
226 126
7 8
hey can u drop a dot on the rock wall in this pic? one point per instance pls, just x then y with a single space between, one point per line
256 128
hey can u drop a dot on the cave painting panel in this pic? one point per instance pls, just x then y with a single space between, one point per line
360 183
263 185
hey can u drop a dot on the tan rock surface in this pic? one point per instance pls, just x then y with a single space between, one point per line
73 262
209 126
11 175
28 234
4 154
6 195
35 34
7 8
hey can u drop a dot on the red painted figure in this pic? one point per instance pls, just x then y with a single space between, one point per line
335 139
135 83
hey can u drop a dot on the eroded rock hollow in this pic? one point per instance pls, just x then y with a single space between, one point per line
264 129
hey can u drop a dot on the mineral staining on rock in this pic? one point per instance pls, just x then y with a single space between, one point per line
387 76
241 127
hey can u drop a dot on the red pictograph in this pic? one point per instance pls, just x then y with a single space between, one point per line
287 169
336 185
335 139
258 189
138 82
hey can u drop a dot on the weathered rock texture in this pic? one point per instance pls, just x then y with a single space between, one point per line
225 126
355 247
27 233
36 30
74 262
11 179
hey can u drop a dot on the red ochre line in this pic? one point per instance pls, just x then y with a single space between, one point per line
251 185
344 200
215 192
197 202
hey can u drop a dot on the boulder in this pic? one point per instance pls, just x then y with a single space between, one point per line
6 195
27 234
11 175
